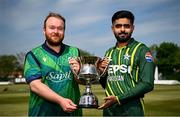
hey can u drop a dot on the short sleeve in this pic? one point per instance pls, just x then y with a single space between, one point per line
32 69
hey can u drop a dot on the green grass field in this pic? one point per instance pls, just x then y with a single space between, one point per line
163 101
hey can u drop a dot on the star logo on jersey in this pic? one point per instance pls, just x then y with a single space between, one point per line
44 59
127 56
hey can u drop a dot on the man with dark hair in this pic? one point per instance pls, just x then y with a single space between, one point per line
130 71
53 89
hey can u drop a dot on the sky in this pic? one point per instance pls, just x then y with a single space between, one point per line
88 23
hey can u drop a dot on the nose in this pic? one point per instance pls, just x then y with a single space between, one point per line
122 28
56 30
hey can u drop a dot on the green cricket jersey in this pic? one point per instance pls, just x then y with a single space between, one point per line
54 71
130 72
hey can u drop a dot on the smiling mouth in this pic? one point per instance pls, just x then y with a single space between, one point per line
55 36
122 35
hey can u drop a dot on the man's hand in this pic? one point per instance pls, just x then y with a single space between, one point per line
45 92
67 105
110 100
103 64
75 65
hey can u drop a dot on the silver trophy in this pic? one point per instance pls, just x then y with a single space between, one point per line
88 74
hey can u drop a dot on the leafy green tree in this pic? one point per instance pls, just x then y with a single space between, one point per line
8 64
168 55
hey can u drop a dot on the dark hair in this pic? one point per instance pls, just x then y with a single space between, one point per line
51 14
123 14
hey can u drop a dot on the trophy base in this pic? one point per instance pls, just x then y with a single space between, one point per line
88 106
88 100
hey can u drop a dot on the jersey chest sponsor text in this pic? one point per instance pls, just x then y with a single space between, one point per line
119 68
58 76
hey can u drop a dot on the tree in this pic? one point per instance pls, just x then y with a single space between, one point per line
84 53
168 55
8 64
20 58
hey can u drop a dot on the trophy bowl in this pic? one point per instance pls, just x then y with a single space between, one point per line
88 74
88 69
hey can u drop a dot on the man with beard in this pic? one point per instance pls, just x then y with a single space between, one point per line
130 71
53 89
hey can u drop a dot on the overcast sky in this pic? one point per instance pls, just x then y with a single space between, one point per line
88 22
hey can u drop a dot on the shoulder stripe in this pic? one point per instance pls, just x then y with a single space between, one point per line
34 57
134 51
132 60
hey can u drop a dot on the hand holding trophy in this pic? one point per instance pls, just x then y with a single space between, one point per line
88 69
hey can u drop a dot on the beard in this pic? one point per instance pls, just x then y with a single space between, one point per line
53 42
123 39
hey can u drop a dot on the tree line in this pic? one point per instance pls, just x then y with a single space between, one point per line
166 56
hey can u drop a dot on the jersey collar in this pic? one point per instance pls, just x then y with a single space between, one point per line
51 51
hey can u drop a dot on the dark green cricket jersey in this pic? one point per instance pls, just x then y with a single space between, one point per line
54 71
130 71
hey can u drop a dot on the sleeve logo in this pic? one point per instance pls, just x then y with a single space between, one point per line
148 57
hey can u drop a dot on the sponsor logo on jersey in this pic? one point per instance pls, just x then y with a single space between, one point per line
148 57
58 76
115 78
119 68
